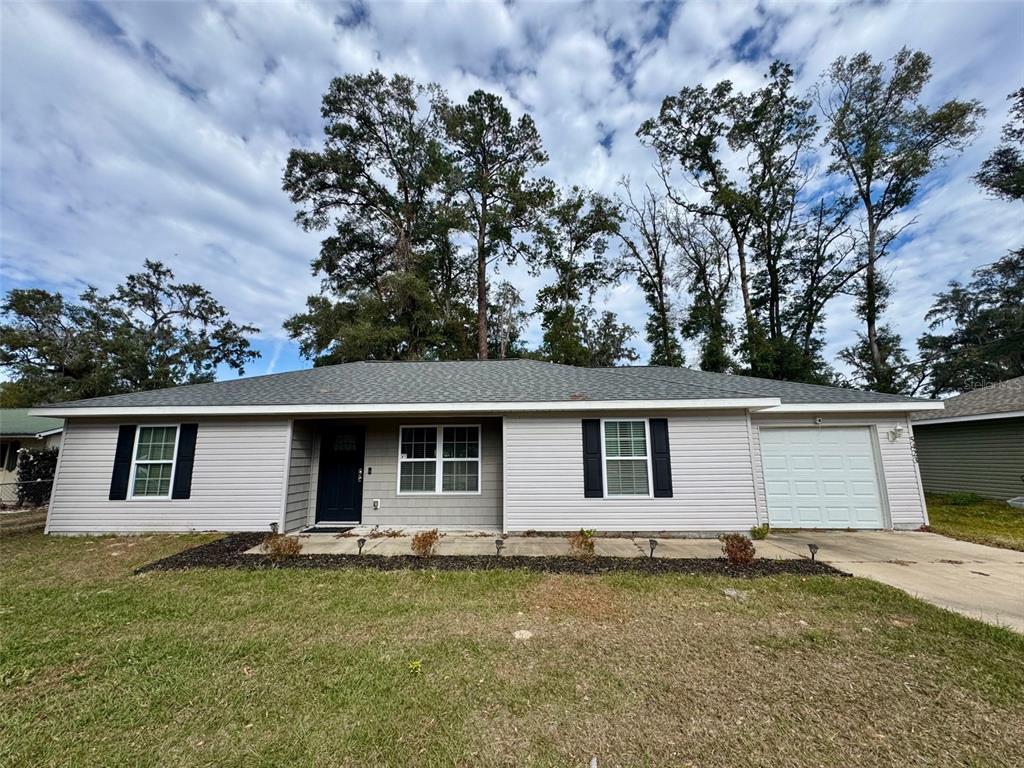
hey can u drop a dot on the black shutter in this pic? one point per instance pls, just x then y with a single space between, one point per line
593 476
122 462
661 462
185 459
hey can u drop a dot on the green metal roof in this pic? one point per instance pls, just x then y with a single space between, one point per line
15 422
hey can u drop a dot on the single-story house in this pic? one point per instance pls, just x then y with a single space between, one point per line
976 444
514 445
20 430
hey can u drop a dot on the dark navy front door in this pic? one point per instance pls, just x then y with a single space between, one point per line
339 495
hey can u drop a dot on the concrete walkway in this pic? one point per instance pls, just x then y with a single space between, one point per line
984 583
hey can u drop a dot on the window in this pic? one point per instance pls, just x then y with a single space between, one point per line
626 458
451 453
153 465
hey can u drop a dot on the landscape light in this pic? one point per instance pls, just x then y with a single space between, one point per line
498 544
814 550
360 543
273 527
653 543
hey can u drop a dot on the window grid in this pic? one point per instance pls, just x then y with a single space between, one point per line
441 459
153 462
626 458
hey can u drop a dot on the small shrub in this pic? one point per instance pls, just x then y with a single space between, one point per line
279 547
962 499
759 532
737 548
581 545
423 543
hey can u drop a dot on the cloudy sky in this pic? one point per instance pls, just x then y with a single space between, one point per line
160 130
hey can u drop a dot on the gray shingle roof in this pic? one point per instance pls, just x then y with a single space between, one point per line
1004 397
475 382
788 391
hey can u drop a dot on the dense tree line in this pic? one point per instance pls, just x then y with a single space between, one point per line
768 207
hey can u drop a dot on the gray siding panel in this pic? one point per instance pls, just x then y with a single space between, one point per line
902 486
711 477
983 457
299 473
237 481
380 481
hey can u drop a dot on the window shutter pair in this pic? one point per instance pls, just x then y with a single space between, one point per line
593 467
183 461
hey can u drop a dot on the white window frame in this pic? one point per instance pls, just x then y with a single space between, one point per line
605 459
439 461
135 462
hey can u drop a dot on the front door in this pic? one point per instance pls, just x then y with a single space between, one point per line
339 495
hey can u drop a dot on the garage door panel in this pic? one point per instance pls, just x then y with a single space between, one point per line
821 477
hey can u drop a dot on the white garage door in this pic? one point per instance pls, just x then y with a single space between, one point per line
821 477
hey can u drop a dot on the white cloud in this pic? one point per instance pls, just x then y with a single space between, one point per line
160 130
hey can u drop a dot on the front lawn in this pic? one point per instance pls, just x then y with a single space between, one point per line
972 518
369 668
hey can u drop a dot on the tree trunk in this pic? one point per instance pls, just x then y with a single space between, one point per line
753 333
871 305
481 283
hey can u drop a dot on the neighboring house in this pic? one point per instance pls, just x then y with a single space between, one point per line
19 430
976 444
507 444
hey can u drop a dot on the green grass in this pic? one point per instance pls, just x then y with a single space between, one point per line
290 667
972 518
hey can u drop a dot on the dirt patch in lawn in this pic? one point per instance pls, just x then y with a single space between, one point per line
229 552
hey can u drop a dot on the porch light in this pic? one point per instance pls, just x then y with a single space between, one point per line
653 543
360 543
498 544
814 550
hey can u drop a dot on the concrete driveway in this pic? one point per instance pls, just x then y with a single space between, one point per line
984 583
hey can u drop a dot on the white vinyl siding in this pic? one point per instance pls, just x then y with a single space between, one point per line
712 481
900 482
237 480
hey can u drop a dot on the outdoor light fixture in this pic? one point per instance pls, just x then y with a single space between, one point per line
360 543
653 543
498 544
895 433
814 550
273 527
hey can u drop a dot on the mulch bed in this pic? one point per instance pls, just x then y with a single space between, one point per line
228 552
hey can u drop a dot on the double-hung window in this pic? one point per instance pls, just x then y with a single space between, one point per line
153 462
627 458
439 459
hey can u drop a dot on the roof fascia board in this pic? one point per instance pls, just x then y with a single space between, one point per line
975 417
754 403
888 407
